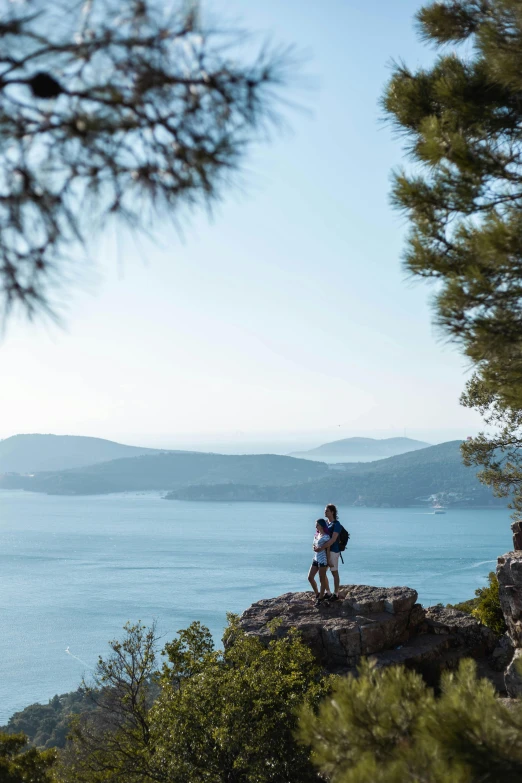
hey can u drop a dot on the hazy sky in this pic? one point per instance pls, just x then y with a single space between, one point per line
287 315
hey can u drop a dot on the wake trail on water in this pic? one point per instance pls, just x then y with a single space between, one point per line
78 659
457 570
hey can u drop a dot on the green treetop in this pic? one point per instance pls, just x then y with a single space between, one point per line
219 716
462 122
386 726
19 764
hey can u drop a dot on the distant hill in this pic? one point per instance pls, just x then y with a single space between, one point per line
403 480
33 453
169 470
47 725
353 449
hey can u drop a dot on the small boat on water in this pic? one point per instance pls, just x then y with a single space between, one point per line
438 509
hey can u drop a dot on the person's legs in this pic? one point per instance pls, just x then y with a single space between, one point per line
323 578
333 562
311 578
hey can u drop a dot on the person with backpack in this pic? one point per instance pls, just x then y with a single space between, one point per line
335 545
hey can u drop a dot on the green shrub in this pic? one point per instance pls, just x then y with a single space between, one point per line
20 764
486 606
219 716
387 726
488 609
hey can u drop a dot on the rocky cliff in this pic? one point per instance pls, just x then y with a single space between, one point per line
386 624
389 626
509 575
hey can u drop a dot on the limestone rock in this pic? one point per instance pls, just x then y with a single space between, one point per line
443 639
509 574
415 653
365 620
385 624
502 655
512 678
379 599
464 630
516 529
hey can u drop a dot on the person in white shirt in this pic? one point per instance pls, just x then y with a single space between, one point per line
320 562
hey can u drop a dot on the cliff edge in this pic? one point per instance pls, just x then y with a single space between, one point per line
385 624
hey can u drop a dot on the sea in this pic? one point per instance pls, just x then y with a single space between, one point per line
74 570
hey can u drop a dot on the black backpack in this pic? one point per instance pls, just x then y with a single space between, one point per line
343 539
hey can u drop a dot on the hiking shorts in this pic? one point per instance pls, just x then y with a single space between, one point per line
333 561
315 564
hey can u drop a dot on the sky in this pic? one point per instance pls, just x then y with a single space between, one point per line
283 319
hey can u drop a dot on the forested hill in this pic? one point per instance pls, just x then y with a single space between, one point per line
362 448
32 453
404 480
169 470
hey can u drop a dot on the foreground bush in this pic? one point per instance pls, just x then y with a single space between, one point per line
21 765
488 609
217 716
388 727
267 714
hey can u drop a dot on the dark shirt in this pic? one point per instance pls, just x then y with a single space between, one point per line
334 527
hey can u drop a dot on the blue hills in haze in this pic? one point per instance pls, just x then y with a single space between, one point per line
411 478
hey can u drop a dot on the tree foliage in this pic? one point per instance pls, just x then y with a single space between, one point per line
21 765
500 452
256 713
488 609
462 121
114 108
386 726
47 725
113 742
220 716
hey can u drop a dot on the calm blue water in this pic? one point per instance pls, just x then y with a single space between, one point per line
74 570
